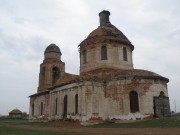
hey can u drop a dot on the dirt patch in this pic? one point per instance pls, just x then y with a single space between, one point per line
75 127
110 131
67 124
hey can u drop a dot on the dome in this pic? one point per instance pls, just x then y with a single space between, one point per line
52 48
15 111
106 32
109 30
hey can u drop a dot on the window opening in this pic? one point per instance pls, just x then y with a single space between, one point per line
76 103
134 102
124 53
103 53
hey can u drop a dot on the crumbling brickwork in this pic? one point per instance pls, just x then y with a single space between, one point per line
108 87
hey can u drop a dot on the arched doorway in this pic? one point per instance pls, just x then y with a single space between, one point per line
134 101
65 107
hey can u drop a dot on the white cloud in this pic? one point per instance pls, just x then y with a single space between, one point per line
27 27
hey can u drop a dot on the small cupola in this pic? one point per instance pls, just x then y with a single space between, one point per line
52 52
52 48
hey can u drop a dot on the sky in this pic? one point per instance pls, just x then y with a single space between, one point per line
27 27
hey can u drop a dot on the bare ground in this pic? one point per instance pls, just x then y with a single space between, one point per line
75 127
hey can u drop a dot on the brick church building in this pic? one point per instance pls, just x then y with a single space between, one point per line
108 86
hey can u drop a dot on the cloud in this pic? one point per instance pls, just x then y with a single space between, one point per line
28 27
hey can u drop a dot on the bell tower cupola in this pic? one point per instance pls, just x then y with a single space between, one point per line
52 52
51 69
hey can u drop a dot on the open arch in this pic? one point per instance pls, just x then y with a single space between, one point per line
103 53
55 74
65 106
134 101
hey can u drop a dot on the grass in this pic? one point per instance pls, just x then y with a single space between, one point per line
20 122
8 127
16 131
155 123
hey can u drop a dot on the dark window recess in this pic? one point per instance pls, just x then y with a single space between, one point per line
124 53
55 74
43 70
84 57
103 53
41 112
76 103
32 109
134 102
65 106
56 105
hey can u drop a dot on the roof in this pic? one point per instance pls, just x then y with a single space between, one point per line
39 94
52 48
15 111
107 32
101 75
136 73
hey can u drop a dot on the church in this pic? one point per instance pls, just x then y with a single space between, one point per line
107 87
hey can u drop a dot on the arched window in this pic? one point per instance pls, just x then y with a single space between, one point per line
76 103
65 106
56 105
43 70
55 74
41 108
124 53
32 109
134 102
103 53
84 57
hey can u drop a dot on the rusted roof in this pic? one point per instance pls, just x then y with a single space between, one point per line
103 75
136 73
39 94
66 77
108 30
105 33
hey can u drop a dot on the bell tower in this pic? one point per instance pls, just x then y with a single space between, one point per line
51 69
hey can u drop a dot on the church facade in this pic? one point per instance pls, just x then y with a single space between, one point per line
108 87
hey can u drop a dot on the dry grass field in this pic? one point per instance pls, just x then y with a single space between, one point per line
168 126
